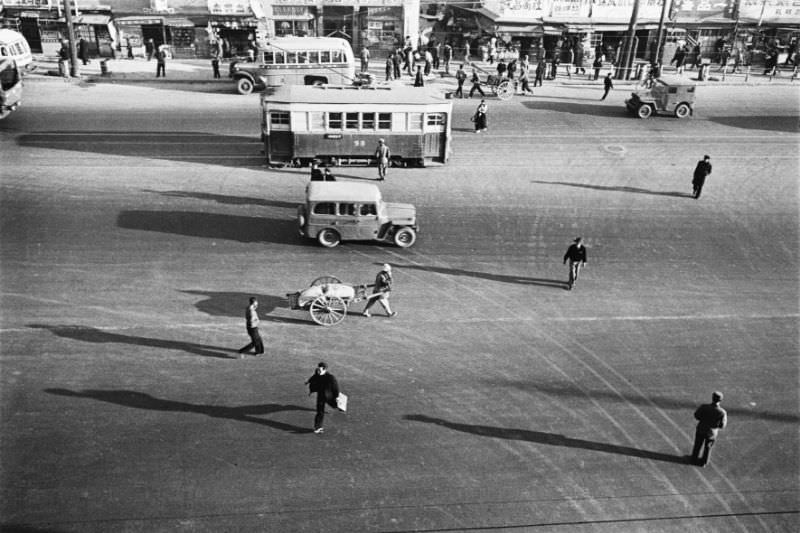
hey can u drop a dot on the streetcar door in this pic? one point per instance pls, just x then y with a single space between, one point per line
280 136
435 126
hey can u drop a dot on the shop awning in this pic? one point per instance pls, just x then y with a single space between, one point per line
139 21
519 30
178 22
94 19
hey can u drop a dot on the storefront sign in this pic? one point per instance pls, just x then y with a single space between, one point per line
25 3
290 11
621 10
778 11
519 9
229 7
570 8
698 9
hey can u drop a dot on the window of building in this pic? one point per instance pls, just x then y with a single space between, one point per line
279 120
384 121
367 121
334 121
325 208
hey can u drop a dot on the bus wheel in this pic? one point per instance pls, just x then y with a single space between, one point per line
405 237
244 86
328 238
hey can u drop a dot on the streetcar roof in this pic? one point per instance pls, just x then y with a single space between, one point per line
343 191
306 43
343 94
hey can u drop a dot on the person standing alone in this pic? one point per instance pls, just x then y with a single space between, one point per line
576 254
701 172
365 59
251 323
161 62
327 389
461 77
711 418
382 154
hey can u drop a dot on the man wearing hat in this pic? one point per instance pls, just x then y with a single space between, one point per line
701 171
382 155
383 287
576 254
711 418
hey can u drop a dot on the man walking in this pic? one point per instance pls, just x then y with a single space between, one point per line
701 171
251 323
711 418
608 84
476 84
461 77
382 154
327 389
576 254
381 291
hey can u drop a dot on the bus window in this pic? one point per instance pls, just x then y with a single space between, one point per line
336 56
316 121
415 122
269 57
279 120
368 210
384 121
325 208
325 56
334 121
351 121
367 121
313 57
302 57
280 58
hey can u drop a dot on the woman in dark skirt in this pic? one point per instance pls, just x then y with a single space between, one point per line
480 117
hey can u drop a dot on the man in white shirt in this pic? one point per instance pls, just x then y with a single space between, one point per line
251 323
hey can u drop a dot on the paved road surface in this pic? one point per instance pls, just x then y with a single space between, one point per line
136 221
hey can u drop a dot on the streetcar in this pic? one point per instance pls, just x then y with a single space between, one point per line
341 125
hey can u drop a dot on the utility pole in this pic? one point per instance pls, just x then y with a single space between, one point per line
624 72
664 3
73 56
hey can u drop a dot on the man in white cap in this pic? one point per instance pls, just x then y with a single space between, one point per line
383 287
382 154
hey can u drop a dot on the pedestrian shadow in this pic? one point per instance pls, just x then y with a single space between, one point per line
88 334
233 304
550 439
140 400
566 390
522 280
237 228
224 199
619 188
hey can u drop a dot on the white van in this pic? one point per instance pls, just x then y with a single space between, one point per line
13 45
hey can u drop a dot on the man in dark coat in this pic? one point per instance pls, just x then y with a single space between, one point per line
327 389
701 171
576 254
711 418
608 84
83 51
540 69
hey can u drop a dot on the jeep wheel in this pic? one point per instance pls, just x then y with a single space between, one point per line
644 111
244 86
683 110
328 238
405 237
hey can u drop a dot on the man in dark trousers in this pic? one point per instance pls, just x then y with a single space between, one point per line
327 389
711 418
608 84
461 77
161 62
251 323
83 51
701 171
476 84
540 70
576 254
448 55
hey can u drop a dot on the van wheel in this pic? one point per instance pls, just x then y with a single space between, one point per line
405 237
683 110
328 238
645 111
244 86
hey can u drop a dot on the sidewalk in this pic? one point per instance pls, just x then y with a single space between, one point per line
199 71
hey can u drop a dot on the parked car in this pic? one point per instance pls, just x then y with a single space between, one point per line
342 211
667 96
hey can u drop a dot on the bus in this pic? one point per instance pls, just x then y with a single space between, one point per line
341 125
10 86
296 61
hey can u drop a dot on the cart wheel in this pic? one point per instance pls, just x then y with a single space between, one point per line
505 90
323 280
328 310
683 110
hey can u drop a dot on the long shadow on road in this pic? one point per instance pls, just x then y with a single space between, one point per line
550 439
572 107
232 304
660 402
212 225
522 280
140 400
635 190
225 199
87 334
789 124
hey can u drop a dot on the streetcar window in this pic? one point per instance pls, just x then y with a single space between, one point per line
334 121
368 121
351 121
384 121
325 208
436 119
317 121
279 120
415 122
